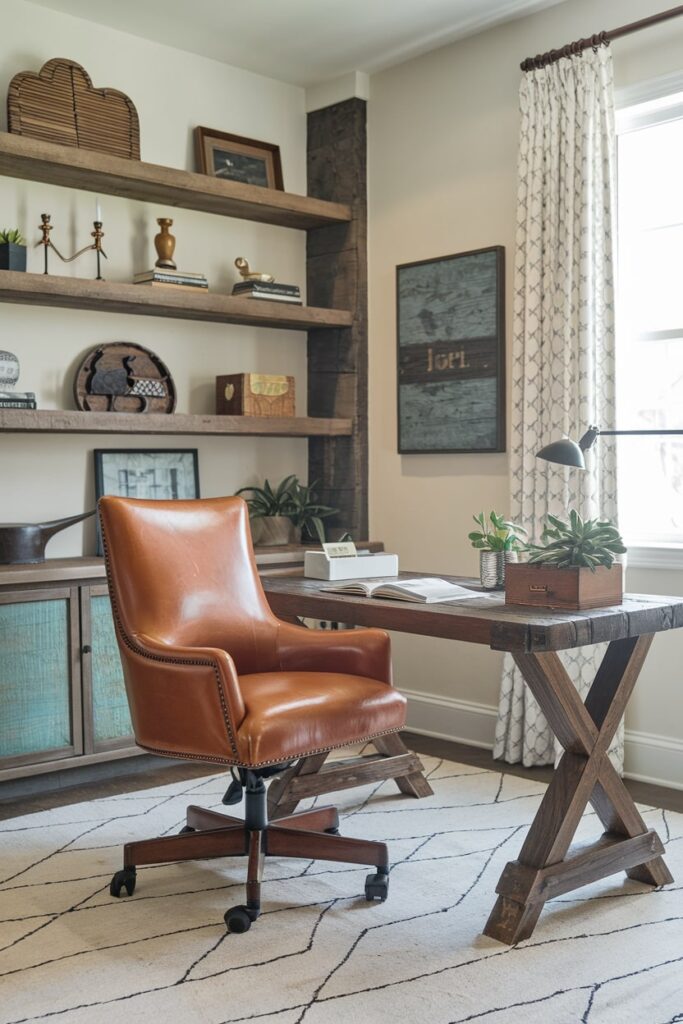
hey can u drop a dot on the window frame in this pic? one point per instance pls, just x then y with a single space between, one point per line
642 105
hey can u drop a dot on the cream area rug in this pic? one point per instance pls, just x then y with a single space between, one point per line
611 953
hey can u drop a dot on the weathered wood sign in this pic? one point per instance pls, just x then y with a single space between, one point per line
451 350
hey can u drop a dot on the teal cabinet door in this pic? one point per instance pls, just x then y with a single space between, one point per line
111 717
36 696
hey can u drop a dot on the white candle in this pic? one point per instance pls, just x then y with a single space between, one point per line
98 210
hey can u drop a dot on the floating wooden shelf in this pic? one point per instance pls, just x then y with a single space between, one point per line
64 421
155 300
166 186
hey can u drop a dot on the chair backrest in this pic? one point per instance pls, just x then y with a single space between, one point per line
183 572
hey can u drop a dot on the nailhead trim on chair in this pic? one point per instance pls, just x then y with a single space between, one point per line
130 643
264 764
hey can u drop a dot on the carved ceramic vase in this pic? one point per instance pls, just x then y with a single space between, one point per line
164 243
492 568
9 370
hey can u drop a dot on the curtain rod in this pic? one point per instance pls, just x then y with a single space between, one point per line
541 60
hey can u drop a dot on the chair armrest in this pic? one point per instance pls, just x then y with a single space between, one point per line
358 652
183 700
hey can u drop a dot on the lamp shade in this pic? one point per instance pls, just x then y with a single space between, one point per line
565 453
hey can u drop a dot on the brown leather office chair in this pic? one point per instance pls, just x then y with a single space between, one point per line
212 675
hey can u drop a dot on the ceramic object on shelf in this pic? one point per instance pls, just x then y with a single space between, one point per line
164 243
9 370
12 257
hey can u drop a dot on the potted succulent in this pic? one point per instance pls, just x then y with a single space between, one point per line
281 515
498 541
12 250
575 567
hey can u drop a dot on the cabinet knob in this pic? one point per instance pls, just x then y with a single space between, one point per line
86 649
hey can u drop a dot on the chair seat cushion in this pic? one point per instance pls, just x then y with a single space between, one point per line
291 714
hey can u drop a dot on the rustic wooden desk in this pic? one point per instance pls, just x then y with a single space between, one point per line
545 867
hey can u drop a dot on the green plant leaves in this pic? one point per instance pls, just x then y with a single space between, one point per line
12 236
497 534
578 542
292 499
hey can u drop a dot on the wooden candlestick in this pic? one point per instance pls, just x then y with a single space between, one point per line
164 243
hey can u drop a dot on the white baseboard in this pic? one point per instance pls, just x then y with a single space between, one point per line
652 758
648 757
448 719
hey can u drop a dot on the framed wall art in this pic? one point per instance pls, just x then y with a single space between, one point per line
158 473
236 158
450 321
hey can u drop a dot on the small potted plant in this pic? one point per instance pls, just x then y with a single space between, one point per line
498 541
307 513
282 514
12 250
575 567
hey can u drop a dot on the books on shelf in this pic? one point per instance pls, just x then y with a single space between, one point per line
273 291
172 278
423 590
18 400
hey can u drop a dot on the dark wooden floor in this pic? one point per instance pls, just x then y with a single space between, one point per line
161 774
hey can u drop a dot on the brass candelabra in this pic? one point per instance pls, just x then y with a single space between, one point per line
98 234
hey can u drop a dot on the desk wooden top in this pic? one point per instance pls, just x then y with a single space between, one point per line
482 620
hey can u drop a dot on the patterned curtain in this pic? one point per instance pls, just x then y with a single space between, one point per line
563 344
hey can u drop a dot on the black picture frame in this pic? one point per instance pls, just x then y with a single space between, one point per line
149 459
237 158
450 353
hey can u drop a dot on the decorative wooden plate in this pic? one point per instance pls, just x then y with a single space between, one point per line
60 104
123 377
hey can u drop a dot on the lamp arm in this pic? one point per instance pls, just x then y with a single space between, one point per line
613 433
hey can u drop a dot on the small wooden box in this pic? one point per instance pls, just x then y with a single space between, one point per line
572 588
255 394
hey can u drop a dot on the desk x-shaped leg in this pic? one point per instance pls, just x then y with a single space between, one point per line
585 773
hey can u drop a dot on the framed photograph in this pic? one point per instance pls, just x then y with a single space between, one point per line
450 324
160 473
238 159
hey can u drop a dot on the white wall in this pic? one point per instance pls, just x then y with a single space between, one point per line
442 179
47 476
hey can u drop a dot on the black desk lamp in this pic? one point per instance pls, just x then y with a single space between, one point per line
570 453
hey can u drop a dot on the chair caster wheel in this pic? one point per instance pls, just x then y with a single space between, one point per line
377 887
239 919
123 879
186 828
332 831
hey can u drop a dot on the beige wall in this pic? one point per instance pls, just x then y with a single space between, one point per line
51 475
442 173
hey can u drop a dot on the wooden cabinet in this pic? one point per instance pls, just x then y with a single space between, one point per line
107 719
62 696
40 676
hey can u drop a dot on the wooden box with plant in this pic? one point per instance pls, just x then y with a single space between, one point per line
287 513
12 250
574 568
499 542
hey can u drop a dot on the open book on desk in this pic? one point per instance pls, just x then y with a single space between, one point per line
423 590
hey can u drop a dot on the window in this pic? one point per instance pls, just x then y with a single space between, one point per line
650 319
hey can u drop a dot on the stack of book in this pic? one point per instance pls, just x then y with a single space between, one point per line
270 290
172 278
18 400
